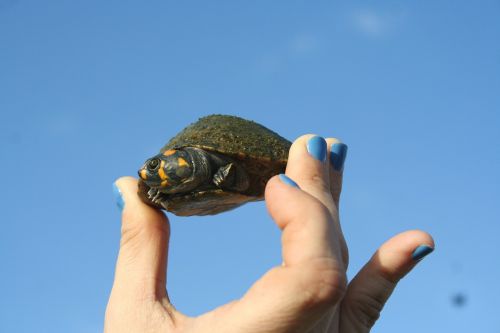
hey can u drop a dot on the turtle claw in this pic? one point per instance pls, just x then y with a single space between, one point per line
151 193
224 177
157 197
231 177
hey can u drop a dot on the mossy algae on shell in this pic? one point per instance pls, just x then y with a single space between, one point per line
233 136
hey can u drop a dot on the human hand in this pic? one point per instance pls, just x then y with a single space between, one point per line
307 293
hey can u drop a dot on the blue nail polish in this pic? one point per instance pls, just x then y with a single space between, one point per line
316 146
420 252
287 180
338 152
118 197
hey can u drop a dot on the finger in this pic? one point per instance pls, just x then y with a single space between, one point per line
309 165
337 152
292 297
306 224
372 286
142 259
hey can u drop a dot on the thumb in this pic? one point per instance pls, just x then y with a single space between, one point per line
372 286
142 259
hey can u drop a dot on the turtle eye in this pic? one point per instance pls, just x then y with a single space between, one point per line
153 164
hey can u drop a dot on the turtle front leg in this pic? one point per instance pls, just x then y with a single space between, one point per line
158 197
231 177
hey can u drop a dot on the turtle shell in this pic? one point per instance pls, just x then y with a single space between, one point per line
260 151
232 136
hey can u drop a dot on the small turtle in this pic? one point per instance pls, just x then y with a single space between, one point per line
215 164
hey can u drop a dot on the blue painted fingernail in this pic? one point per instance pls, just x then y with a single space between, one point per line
420 252
338 152
287 180
316 146
118 197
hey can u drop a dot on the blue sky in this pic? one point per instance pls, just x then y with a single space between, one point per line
89 89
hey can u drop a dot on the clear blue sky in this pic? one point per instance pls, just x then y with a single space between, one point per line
89 89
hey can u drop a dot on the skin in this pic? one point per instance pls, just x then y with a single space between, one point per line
309 292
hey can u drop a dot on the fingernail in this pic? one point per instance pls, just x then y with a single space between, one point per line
118 197
287 180
420 252
338 152
316 146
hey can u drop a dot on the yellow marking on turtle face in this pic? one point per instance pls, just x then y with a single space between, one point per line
143 174
161 172
181 162
169 152
164 183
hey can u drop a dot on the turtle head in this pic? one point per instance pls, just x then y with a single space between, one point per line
169 172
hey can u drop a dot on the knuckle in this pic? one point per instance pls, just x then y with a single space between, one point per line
319 182
364 309
130 317
326 283
133 235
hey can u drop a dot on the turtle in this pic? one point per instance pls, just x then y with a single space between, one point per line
216 164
